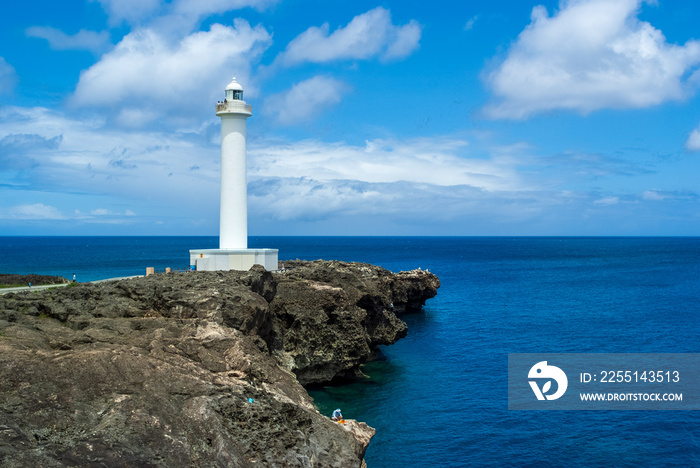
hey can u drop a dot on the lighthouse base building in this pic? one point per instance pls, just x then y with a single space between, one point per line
232 259
233 252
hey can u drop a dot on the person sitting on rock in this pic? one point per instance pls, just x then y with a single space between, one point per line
337 416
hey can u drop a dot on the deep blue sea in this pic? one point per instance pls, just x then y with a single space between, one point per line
439 396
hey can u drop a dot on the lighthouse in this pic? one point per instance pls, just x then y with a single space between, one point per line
233 220
233 252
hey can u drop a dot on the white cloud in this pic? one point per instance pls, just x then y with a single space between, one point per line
592 54
148 76
693 143
404 43
434 161
95 42
104 213
36 211
179 16
130 11
607 201
675 195
81 159
182 16
100 171
368 35
309 199
202 8
347 207
653 194
420 186
101 212
470 23
8 77
304 100
130 117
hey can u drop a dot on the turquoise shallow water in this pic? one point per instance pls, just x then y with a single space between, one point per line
439 396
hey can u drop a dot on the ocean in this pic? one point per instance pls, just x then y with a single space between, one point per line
439 397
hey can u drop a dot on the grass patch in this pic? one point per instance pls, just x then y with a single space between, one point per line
3 286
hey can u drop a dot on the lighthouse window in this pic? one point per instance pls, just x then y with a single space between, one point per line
238 95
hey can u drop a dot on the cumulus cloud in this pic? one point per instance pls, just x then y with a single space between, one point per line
95 42
347 207
178 15
201 8
304 100
385 186
19 150
371 34
434 161
8 77
693 143
72 157
308 199
146 75
131 117
182 16
590 55
308 180
130 11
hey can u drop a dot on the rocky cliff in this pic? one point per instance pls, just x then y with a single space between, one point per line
197 369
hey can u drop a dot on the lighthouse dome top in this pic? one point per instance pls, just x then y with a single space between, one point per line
234 85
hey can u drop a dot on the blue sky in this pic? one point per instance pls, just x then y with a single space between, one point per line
578 117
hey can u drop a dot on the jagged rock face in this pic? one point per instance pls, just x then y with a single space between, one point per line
331 316
159 371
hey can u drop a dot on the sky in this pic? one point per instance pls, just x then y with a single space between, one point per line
479 118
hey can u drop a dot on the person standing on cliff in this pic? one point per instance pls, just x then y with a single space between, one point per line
337 416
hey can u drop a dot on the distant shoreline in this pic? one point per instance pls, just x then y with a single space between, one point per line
39 287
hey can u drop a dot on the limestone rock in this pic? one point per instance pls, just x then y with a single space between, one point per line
194 369
330 316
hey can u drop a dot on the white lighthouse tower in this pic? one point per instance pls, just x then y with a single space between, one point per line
233 252
233 227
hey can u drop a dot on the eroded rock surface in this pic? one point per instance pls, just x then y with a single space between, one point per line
194 369
331 316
